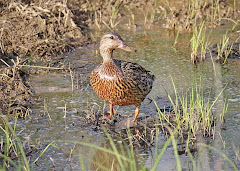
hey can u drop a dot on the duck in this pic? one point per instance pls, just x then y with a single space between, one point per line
119 82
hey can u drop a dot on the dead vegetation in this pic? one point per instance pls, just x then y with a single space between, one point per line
190 12
16 95
102 14
38 29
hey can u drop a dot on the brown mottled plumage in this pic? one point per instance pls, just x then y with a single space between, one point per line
120 82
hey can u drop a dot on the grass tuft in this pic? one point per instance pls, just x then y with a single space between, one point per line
224 49
12 148
199 41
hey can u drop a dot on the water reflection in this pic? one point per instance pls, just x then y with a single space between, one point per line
111 155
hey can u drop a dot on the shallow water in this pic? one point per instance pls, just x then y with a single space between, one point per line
57 116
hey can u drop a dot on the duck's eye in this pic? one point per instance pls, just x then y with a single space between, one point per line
111 37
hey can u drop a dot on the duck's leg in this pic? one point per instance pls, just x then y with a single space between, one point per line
136 113
111 112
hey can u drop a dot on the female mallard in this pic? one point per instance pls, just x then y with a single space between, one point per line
120 82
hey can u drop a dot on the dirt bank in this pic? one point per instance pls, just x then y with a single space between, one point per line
31 32
15 92
38 30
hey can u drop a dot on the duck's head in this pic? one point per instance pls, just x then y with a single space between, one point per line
111 41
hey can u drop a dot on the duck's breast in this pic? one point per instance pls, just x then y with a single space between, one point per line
111 86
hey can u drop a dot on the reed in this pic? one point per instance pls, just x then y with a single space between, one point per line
101 18
199 41
149 20
176 38
224 49
12 146
115 10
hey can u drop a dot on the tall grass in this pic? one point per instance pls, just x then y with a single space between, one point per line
194 110
212 11
12 150
117 156
12 146
199 41
223 47
193 114
151 9
176 38
215 12
115 11
99 14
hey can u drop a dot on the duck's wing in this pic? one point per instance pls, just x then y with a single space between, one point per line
136 76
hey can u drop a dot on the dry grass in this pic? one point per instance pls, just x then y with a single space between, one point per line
15 96
40 29
187 13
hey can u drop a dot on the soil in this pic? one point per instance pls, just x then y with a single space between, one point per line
15 92
38 30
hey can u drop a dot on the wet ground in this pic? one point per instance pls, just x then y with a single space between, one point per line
63 105
64 109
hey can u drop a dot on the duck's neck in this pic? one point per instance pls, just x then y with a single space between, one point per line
106 54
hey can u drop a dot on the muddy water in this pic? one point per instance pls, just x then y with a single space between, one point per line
59 114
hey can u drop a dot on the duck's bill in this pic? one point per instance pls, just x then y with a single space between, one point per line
125 47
